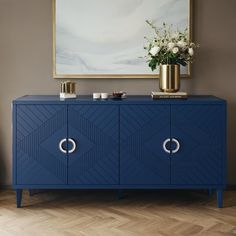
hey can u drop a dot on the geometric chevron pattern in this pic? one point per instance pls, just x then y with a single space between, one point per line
95 129
39 130
143 129
199 129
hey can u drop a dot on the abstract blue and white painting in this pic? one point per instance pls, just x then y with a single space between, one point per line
106 37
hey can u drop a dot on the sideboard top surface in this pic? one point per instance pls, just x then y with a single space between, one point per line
131 99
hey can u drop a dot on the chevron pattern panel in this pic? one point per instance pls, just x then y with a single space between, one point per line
39 130
95 129
143 129
199 129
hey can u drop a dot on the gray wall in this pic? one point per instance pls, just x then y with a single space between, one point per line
26 64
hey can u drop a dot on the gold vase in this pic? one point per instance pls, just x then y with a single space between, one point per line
169 78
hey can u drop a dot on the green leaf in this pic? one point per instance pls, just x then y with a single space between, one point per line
182 62
153 63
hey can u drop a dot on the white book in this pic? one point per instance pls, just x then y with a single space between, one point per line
159 95
169 94
67 95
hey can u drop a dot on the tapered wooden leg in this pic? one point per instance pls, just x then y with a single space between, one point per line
220 198
120 194
31 192
210 191
18 197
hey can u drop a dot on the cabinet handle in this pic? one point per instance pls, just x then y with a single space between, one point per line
177 145
60 145
164 145
73 145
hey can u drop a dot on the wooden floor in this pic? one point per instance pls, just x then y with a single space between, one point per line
94 212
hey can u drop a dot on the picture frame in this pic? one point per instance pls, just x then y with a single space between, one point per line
105 38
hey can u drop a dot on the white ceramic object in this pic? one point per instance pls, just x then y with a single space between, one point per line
104 96
96 96
67 95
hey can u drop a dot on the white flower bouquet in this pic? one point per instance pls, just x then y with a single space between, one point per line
169 46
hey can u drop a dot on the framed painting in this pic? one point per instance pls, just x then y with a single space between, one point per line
105 38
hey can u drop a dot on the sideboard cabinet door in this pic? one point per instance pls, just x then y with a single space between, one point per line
200 131
143 131
94 129
39 130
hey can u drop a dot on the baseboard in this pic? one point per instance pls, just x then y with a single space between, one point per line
5 186
231 187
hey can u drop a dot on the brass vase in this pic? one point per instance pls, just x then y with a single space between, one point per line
169 78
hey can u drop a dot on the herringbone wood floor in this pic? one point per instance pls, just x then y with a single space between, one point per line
94 212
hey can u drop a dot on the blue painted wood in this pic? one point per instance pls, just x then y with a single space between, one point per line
219 198
210 191
18 197
120 194
119 143
95 129
14 142
134 100
39 131
31 192
143 129
199 130
118 186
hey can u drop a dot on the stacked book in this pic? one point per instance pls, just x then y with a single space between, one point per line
163 95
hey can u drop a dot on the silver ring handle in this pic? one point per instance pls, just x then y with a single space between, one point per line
164 145
73 145
177 145
60 145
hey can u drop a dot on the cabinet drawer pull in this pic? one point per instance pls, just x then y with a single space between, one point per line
73 145
177 145
164 145
60 145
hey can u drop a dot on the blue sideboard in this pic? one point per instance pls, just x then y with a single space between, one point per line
132 143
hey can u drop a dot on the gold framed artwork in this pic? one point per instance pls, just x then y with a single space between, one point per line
105 38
